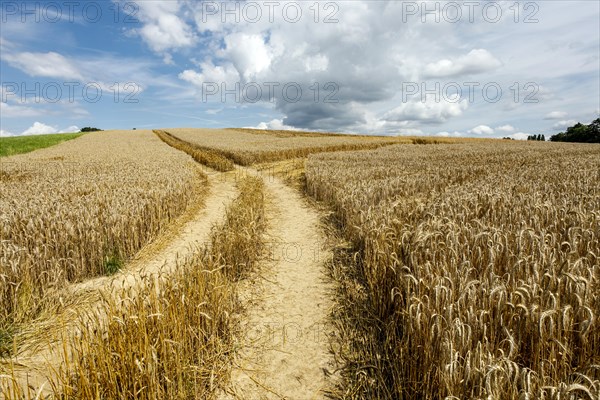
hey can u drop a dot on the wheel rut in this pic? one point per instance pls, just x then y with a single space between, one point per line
42 351
284 348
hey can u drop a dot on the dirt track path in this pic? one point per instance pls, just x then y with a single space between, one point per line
39 356
284 350
284 353
192 234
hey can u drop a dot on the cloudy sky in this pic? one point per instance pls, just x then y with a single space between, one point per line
474 68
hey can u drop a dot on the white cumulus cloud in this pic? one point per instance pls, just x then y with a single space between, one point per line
223 76
475 62
520 136
162 28
249 53
482 130
70 129
4 133
275 124
505 129
39 128
430 110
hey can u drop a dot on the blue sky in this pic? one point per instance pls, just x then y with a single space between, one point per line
483 69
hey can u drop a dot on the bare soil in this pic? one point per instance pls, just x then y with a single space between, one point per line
284 348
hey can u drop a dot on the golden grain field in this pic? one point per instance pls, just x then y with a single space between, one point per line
172 337
202 155
473 270
465 269
82 209
247 147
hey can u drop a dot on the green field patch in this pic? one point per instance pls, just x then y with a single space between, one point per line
24 144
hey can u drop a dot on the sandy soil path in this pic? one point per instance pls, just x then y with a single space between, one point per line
192 234
42 354
284 350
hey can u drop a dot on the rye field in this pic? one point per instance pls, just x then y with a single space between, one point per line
248 264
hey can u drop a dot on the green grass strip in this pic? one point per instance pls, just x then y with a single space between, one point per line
24 144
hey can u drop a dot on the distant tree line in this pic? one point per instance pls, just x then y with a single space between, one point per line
580 133
89 129
541 138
